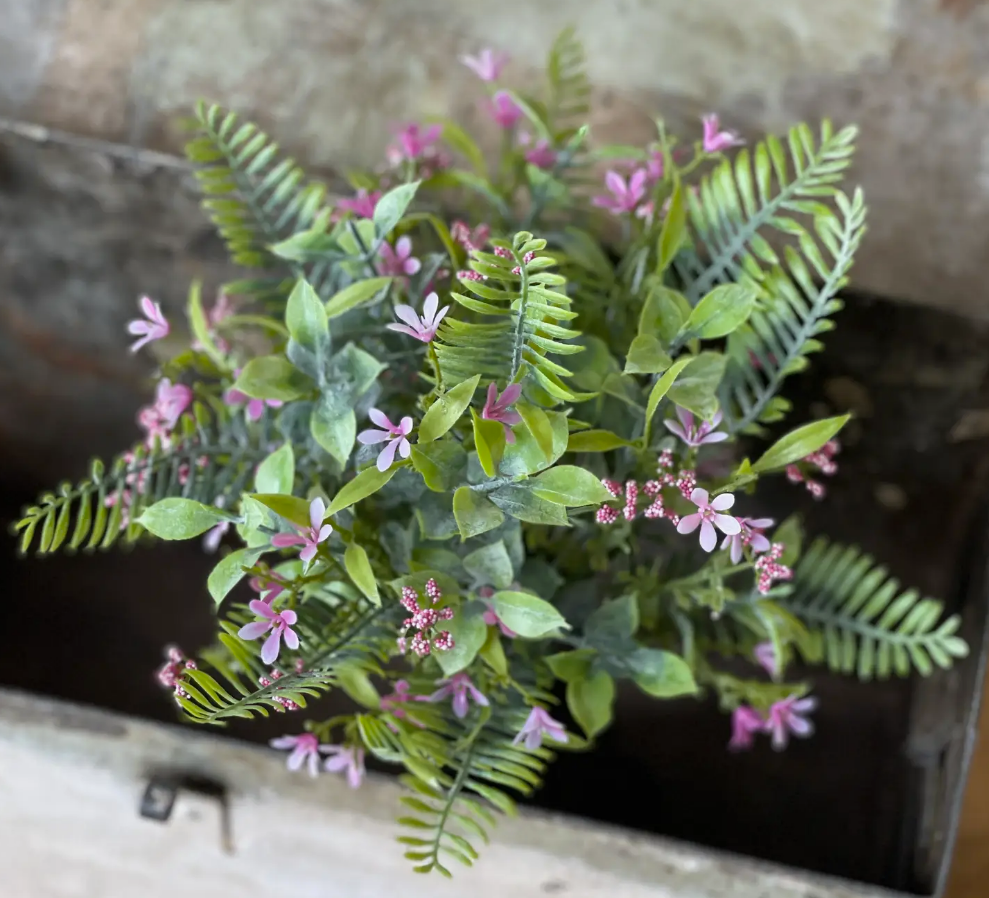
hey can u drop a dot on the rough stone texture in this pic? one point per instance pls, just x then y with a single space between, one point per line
328 76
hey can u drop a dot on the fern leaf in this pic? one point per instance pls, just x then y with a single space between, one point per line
569 86
860 620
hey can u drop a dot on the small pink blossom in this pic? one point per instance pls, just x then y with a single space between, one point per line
414 142
421 327
309 538
693 434
623 196
715 140
765 656
402 694
269 590
745 723
655 165
396 435
707 517
540 154
786 717
503 109
154 325
280 624
498 408
470 240
160 418
214 536
537 725
399 261
362 205
254 407
490 617
305 750
769 569
750 535
425 619
347 759
459 686
487 65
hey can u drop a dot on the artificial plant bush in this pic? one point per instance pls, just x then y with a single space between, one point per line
470 468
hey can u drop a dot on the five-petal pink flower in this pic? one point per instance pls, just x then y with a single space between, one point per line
362 205
745 723
422 327
715 140
459 686
402 694
540 153
305 750
154 325
537 725
347 759
414 142
498 408
398 261
255 407
487 65
694 434
708 516
396 436
309 538
279 622
623 196
503 109
750 535
786 717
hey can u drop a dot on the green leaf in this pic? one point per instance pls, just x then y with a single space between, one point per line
305 318
646 355
351 372
799 443
358 567
791 534
591 702
726 308
528 615
273 377
474 513
493 652
200 326
489 442
595 441
355 294
490 566
662 387
615 620
176 518
276 474
674 230
570 486
334 426
357 684
527 456
539 425
696 387
460 141
292 508
572 665
369 481
391 207
446 410
662 674
442 463
229 572
520 501
469 633
663 314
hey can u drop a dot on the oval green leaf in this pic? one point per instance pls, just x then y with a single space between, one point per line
799 443
528 615
177 518
726 308
447 410
354 295
358 567
570 486
591 702
369 481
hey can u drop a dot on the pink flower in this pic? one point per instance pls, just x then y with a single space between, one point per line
425 619
269 590
421 327
395 434
305 750
153 326
398 261
707 518
280 624
470 240
716 140
414 143
255 407
496 408
624 196
786 717
487 65
695 435
361 205
491 618
160 418
401 695
537 725
540 154
213 537
459 686
750 535
503 109
765 656
309 539
654 165
347 758
745 723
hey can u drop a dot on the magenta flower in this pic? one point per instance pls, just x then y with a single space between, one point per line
693 434
361 205
715 140
750 535
540 154
399 261
255 407
707 518
655 165
745 723
624 196
487 65
280 624
765 656
347 758
459 686
395 434
414 142
421 327
171 400
269 590
786 717
497 408
309 539
305 750
490 617
402 694
213 537
537 725
153 326
503 109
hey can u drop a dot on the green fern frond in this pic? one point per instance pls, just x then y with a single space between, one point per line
862 623
211 459
569 86
519 321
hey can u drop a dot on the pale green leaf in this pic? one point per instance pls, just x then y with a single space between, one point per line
369 481
528 615
354 295
570 486
799 443
176 518
447 409
358 567
276 474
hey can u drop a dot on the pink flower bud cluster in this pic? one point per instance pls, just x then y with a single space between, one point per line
470 240
424 620
685 481
823 460
172 674
768 568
